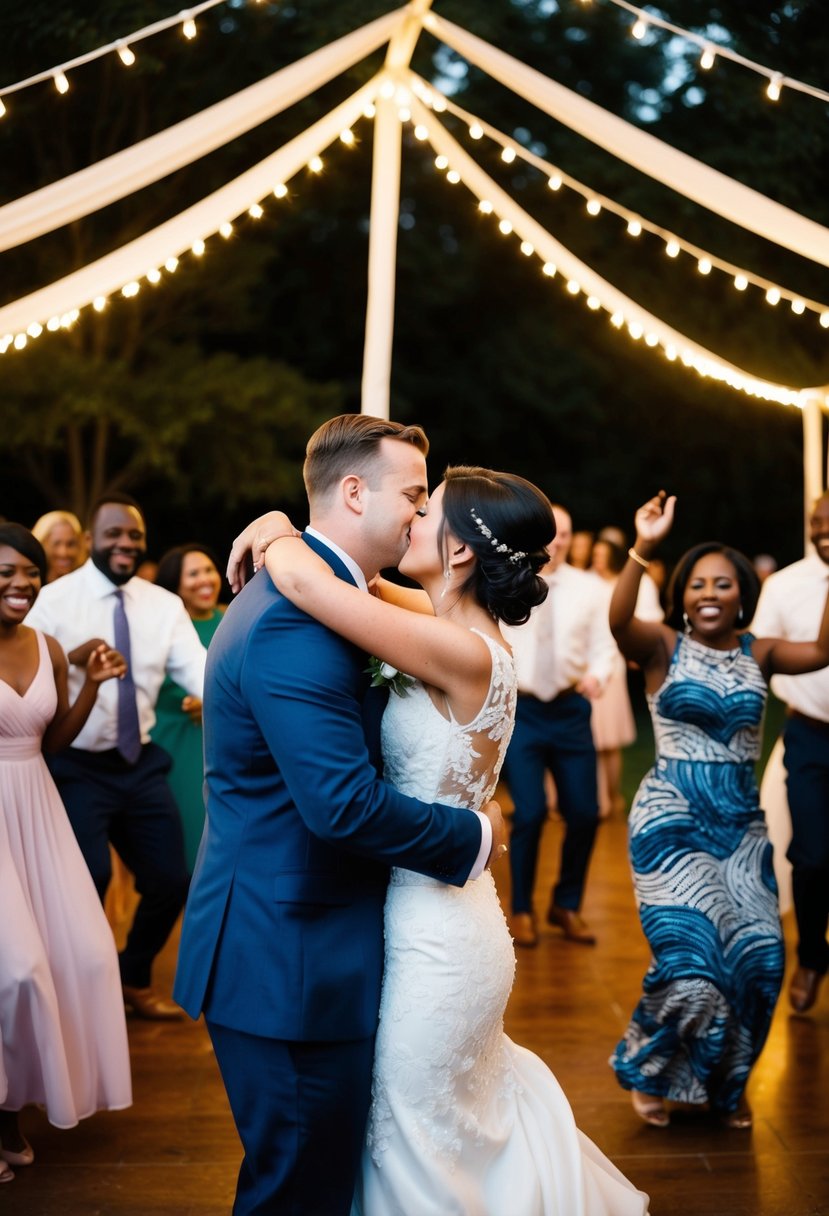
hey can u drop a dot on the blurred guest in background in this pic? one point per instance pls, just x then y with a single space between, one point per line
61 535
191 572
764 565
581 549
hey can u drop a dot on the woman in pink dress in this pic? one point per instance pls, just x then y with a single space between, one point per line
63 1040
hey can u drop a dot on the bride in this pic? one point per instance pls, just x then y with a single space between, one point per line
463 1122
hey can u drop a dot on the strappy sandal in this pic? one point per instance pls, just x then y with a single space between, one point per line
650 1108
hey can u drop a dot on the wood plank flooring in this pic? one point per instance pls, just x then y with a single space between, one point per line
175 1153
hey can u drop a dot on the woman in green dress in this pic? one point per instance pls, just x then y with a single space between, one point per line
189 571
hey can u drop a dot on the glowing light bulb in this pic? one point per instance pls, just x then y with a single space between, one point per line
441 162
126 55
421 132
369 109
387 89
670 353
99 304
280 190
255 211
617 320
453 176
129 289
593 302
2 107
347 137
634 228
639 28
438 104
404 114
476 131
824 320
593 206
61 83
704 265
154 276
527 249
54 323
773 295
505 226
508 156
651 340
573 287
315 164
798 306
554 182
197 248
774 87
485 206
20 341
226 229
706 59
171 265
549 269
189 28
740 282
672 249
635 330
35 329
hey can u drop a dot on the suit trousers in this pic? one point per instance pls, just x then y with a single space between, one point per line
807 783
301 1111
554 735
130 806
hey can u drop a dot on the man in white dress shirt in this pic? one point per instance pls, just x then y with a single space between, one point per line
113 779
791 605
564 656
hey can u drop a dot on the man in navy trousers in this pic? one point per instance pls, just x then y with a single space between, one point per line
282 944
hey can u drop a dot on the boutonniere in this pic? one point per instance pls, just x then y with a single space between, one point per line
384 675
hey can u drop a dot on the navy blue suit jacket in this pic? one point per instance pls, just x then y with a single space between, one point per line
283 930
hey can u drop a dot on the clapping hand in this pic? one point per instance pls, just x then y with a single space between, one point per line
105 664
654 520
192 706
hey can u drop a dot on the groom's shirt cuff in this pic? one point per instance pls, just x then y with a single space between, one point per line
486 847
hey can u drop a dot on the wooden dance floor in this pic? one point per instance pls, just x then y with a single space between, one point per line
175 1153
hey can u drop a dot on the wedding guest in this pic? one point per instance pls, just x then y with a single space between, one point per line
563 658
63 1040
191 572
764 565
113 780
790 606
699 850
581 549
61 535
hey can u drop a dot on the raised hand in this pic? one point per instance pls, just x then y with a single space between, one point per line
254 540
654 520
105 664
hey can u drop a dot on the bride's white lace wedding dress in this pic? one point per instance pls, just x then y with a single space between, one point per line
463 1122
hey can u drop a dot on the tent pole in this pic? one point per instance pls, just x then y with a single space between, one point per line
815 475
385 208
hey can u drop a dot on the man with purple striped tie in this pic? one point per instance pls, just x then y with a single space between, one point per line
112 780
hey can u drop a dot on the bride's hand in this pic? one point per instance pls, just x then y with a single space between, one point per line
654 521
492 810
254 540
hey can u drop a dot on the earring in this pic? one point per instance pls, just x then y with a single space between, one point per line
687 622
740 615
447 575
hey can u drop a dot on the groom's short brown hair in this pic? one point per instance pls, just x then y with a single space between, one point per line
348 444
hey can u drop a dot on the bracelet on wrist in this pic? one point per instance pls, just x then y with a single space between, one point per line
643 562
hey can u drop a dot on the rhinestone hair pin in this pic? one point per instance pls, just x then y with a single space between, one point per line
513 555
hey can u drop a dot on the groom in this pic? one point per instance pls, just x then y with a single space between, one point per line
282 943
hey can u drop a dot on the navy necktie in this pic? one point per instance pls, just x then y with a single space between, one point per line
129 732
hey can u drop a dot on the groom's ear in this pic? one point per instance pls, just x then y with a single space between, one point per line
352 488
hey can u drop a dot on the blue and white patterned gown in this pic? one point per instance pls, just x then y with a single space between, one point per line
707 896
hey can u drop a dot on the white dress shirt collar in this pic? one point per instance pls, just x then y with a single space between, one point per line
98 584
349 562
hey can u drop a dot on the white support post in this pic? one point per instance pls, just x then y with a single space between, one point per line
385 209
815 470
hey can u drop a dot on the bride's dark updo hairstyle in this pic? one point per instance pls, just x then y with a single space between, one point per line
507 523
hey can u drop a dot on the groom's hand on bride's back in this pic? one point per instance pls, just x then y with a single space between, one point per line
492 810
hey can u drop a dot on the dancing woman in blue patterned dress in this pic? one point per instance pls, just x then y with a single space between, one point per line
701 860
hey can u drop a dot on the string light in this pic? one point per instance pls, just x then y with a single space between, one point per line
635 224
453 176
197 248
315 164
476 131
774 87
508 155
188 28
639 28
126 55
226 230
154 276
280 190
706 59
2 107
347 137
61 82
255 211
773 295
421 132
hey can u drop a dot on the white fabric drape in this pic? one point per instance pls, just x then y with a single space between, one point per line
132 261
146 162
659 160
568 265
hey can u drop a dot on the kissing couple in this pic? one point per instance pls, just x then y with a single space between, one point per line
343 935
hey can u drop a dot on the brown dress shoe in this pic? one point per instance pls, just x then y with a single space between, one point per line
803 989
522 928
575 929
145 1003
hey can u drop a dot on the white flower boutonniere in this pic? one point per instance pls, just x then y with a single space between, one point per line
384 675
